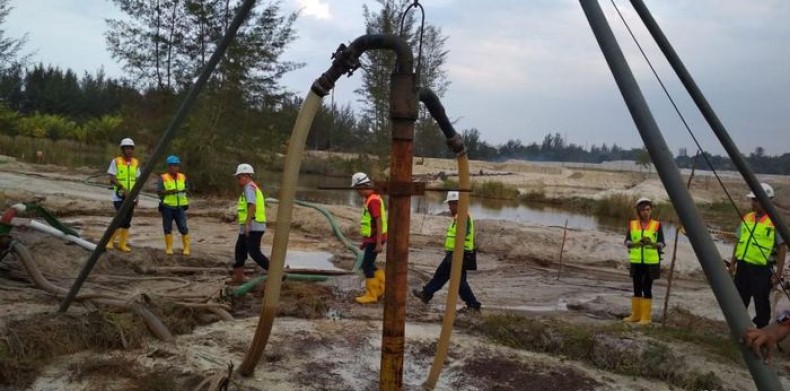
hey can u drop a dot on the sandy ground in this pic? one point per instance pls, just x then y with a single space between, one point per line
519 273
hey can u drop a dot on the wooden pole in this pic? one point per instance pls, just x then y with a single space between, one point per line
562 247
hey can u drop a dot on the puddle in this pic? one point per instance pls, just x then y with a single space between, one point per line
319 260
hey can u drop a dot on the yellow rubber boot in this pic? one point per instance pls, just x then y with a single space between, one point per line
636 310
646 312
185 241
371 289
124 235
379 276
114 236
169 244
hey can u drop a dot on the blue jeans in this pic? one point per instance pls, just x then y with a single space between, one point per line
441 277
177 214
369 260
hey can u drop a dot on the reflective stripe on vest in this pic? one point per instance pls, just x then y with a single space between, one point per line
125 173
469 241
756 249
260 206
367 220
179 184
643 254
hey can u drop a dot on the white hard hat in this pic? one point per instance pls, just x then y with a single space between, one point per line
359 179
20 208
127 142
769 191
452 196
643 200
244 168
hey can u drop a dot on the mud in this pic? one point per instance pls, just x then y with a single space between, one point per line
322 339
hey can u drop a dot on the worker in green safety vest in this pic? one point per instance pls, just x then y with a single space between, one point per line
123 172
251 209
758 246
172 188
442 274
644 240
373 227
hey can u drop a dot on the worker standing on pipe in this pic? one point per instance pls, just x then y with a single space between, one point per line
373 227
644 240
758 244
442 274
252 223
124 171
172 189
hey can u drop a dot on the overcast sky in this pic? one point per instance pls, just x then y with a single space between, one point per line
522 68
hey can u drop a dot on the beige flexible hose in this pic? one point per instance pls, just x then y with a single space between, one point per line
271 294
455 275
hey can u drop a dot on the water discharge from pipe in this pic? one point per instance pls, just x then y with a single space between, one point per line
271 294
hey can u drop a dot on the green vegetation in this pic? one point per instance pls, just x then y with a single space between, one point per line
616 348
489 189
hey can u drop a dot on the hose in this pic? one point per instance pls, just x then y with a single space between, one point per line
271 295
153 322
358 254
247 286
455 274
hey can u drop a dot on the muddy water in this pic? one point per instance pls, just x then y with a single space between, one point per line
318 260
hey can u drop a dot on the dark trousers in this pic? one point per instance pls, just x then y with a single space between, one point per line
250 244
126 221
179 215
441 277
755 282
642 276
369 260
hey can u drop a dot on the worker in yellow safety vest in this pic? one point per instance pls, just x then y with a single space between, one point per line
442 274
759 245
172 188
373 227
645 241
123 172
251 210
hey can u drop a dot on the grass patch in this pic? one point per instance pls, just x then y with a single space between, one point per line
31 343
612 348
494 190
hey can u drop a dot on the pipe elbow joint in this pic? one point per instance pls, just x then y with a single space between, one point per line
457 145
345 60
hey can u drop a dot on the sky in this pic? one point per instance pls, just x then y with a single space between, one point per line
520 69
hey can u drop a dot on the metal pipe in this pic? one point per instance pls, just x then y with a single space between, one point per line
159 150
403 113
710 116
702 243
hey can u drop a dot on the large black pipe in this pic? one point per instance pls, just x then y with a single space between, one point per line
159 150
713 120
707 253
436 109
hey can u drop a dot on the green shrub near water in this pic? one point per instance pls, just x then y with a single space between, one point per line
489 189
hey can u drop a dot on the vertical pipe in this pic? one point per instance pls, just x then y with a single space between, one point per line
710 116
732 307
159 150
403 112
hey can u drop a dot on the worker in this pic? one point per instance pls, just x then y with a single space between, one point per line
758 245
373 227
123 172
251 210
645 242
172 189
442 274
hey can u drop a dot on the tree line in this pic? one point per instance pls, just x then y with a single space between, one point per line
244 113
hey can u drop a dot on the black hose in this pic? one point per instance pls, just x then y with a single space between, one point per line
436 109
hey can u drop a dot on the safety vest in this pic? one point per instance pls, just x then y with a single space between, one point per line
644 254
757 248
366 220
125 173
469 241
179 184
260 206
